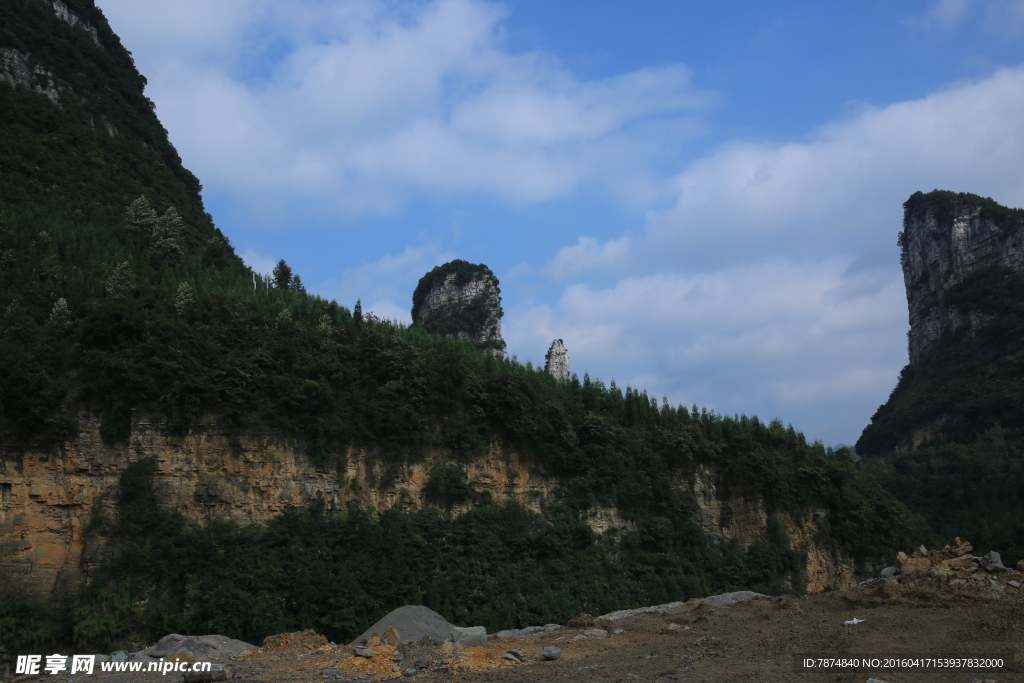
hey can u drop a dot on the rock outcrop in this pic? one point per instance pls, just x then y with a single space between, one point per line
49 494
556 361
946 238
461 300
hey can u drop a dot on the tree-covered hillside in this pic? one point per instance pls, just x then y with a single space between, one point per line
119 298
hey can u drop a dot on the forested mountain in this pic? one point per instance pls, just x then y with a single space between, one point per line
121 300
950 439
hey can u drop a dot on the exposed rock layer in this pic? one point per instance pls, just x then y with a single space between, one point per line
461 300
48 495
942 245
557 361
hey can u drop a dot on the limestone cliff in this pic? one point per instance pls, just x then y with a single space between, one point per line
48 496
461 300
556 361
947 237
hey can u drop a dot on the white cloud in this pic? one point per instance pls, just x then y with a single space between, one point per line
778 287
365 106
842 191
263 265
1001 17
947 14
776 337
587 255
388 282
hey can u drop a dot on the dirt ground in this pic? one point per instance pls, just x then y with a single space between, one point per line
918 613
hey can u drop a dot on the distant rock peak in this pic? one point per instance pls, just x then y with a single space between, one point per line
557 361
946 238
461 300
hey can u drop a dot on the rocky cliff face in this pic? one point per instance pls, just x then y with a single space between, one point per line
557 361
946 237
461 300
48 495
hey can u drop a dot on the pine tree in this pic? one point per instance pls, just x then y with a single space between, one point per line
140 217
119 284
185 298
166 242
282 275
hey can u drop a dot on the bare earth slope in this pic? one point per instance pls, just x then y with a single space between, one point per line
924 612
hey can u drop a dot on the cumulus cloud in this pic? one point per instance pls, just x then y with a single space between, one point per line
365 106
258 262
1005 17
774 337
587 255
778 288
843 190
388 282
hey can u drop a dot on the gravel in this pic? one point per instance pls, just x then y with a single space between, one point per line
413 622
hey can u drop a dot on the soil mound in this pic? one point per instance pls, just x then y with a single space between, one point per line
412 622
300 640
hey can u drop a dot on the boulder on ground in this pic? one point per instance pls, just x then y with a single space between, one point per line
888 571
961 562
551 653
196 648
915 561
992 562
469 636
735 596
217 672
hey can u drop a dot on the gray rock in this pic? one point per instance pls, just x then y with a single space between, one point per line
422 663
623 614
120 656
444 291
992 563
410 672
217 672
512 658
888 571
556 361
1015 584
551 652
738 596
201 648
102 658
470 636
363 652
941 251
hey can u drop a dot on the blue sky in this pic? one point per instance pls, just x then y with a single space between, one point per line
701 199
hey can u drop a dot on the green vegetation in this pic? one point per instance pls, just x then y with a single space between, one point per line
338 570
120 299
